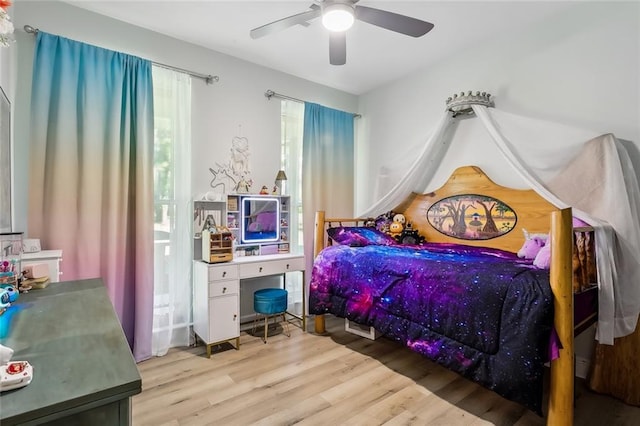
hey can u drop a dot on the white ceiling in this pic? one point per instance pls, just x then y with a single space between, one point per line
375 56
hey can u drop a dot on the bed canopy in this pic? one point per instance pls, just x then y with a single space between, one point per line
596 178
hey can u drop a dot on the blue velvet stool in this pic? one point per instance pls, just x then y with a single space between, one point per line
270 302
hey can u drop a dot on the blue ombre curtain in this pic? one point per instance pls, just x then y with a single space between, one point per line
327 168
91 180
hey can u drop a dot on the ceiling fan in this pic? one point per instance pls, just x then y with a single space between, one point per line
338 16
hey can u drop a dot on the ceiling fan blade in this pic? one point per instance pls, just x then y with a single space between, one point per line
338 48
393 21
284 23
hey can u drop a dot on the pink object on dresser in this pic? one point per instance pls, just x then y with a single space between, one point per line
269 249
36 270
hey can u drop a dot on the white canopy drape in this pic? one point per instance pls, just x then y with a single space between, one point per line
596 178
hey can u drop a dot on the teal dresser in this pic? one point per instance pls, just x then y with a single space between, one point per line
84 373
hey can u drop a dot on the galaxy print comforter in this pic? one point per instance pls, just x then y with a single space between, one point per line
481 312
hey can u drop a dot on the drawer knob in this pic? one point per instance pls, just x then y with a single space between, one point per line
260 269
287 266
235 316
224 289
224 274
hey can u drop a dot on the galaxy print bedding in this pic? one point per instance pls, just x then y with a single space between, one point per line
481 312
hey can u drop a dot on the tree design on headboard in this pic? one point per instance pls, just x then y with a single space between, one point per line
471 217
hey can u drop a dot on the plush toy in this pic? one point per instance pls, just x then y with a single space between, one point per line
397 225
535 247
400 218
410 236
384 221
543 258
532 245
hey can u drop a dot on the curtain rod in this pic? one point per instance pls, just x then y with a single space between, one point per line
208 78
271 94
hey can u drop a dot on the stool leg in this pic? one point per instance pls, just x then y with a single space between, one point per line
266 327
286 325
255 321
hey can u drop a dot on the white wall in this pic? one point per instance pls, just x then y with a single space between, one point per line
235 106
580 68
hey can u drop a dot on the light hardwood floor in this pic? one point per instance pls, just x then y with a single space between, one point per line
331 380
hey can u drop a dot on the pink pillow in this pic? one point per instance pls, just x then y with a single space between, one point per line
543 258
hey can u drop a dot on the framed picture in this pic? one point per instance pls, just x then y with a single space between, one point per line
5 163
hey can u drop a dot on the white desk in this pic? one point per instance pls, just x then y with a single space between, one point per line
216 293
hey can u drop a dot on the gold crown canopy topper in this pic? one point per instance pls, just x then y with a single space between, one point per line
460 104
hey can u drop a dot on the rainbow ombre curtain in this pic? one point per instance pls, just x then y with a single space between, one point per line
91 181
327 168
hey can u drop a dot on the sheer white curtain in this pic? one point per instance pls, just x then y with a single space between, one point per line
419 173
172 192
598 176
291 163
292 123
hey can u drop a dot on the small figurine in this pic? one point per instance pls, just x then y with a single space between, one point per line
209 224
244 185
397 225
410 236
264 190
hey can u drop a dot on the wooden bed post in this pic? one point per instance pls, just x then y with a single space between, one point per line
318 245
561 392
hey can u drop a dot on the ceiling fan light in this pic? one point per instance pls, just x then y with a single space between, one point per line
338 17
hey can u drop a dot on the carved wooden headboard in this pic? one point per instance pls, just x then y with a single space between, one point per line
467 192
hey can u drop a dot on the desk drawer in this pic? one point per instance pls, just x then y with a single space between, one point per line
271 267
223 272
221 288
289 265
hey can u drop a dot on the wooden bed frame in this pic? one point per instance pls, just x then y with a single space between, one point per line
535 214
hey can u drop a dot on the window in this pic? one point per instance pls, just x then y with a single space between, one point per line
172 207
